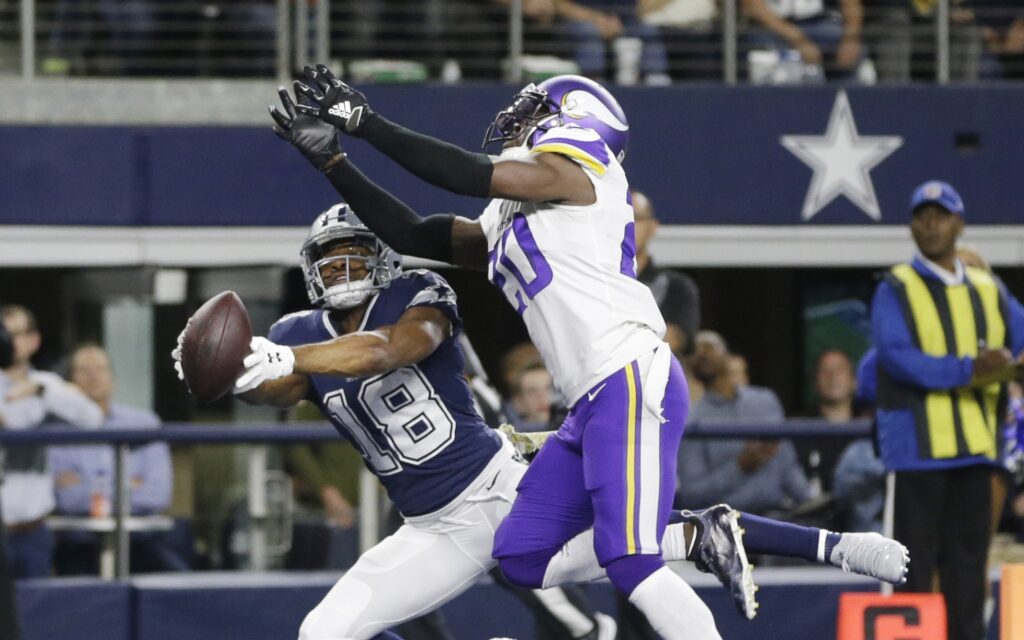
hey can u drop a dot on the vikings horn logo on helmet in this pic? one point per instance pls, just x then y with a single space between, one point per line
558 101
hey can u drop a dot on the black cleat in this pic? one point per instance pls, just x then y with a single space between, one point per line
718 550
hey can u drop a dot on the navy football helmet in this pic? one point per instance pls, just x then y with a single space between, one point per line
558 101
339 224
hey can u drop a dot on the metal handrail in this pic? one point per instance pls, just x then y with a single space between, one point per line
275 433
280 433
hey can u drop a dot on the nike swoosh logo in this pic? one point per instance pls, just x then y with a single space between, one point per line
593 394
493 480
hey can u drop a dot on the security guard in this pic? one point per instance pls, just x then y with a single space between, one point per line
948 337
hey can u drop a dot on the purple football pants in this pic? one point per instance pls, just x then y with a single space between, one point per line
611 466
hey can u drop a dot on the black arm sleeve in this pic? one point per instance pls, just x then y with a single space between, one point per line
440 163
397 225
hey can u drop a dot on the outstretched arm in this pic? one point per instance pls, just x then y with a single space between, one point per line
442 236
437 237
415 336
541 178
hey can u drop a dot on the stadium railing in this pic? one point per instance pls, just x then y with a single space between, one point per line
449 40
264 434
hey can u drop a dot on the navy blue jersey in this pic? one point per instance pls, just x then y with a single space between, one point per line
416 427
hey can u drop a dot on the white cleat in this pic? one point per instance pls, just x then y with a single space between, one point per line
873 555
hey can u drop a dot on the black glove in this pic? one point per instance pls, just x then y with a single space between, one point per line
332 100
314 138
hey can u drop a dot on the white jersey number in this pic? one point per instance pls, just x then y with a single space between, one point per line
406 409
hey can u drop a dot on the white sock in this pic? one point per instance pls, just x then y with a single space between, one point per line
558 605
575 562
673 608
673 544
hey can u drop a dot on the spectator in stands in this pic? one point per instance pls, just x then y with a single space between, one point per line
692 36
901 35
936 414
529 407
83 476
859 478
108 37
325 480
834 389
9 624
516 359
676 293
30 398
758 476
738 370
822 38
593 24
1002 27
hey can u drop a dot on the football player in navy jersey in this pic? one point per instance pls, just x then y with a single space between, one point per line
380 357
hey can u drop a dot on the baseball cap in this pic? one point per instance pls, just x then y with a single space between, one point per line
940 193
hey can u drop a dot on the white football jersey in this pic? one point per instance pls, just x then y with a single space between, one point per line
570 271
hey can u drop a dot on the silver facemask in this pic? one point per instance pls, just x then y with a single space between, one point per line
336 225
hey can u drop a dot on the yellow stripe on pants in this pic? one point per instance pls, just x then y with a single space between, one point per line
630 461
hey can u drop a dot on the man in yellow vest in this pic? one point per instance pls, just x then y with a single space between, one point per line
948 338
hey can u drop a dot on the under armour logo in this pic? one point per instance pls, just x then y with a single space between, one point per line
273 357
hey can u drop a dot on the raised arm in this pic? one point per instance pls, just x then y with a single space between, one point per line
541 178
416 335
441 236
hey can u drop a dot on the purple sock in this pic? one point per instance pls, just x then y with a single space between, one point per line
526 570
386 635
771 537
629 571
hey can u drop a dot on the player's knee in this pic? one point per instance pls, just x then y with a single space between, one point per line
308 630
629 571
317 625
526 570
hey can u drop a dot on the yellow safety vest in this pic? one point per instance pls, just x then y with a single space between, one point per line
955 320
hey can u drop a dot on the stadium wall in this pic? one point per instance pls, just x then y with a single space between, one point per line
784 170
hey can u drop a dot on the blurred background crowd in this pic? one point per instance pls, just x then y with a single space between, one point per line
655 42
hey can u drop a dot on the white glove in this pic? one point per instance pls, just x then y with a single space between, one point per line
176 353
268 361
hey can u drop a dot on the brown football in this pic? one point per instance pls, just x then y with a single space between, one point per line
215 343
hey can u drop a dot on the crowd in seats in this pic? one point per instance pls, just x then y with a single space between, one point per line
74 481
654 42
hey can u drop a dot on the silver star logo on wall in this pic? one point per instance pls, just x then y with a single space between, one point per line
842 161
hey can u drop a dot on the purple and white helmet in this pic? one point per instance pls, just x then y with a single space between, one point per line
558 101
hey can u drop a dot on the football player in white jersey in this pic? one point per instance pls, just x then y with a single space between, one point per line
558 240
